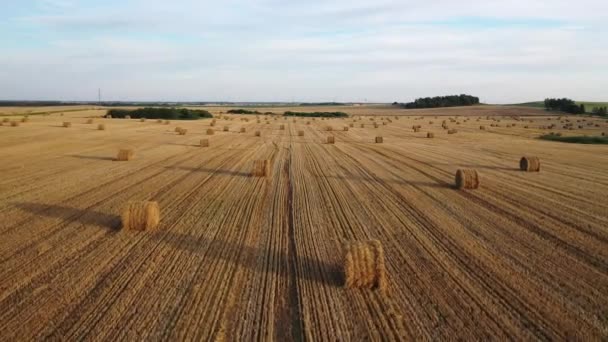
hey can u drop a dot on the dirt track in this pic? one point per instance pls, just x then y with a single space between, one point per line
525 256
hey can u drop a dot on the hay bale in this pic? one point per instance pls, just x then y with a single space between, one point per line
329 128
529 164
89 121
177 129
142 120
452 131
14 123
300 133
67 124
430 135
243 129
364 265
416 129
467 179
125 154
210 131
261 168
379 140
182 131
25 119
331 139
101 127
257 134
167 122
308 122
204 142
143 216
346 128
6 120
362 126
351 125
226 128
282 127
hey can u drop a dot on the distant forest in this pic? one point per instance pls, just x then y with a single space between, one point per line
160 113
440 101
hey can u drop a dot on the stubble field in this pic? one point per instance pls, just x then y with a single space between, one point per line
237 257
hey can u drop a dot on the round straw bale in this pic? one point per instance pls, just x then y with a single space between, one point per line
177 129
204 142
331 139
210 131
141 216
243 129
6 120
467 179
282 127
25 119
345 128
226 128
300 133
529 164
14 123
101 127
125 155
142 120
452 131
167 122
329 128
364 265
257 134
182 131
430 135
89 121
67 124
261 168
379 140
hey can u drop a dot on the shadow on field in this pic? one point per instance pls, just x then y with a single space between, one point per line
381 181
267 260
92 157
91 217
202 169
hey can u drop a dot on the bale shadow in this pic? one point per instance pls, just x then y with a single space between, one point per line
203 169
91 217
92 157
402 182
258 259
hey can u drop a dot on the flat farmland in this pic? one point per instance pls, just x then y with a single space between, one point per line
236 257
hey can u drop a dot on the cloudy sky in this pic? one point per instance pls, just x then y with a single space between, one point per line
303 50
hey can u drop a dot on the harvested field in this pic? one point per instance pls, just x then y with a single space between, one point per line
236 257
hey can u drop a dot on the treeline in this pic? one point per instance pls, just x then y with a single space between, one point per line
603 111
161 113
243 111
564 105
317 114
441 101
321 104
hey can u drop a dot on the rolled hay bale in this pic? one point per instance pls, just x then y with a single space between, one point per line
483 128
210 131
300 133
416 129
182 131
351 125
364 265
226 128
6 120
142 120
346 128
282 127
257 134
177 129
101 127
430 135
243 129
362 126
25 119
67 124
375 125
125 154
204 142
166 122
329 128
14 123
261 168
452 131
331 139
308 122
89 121
467 179
603 134
529 164
142 216
379 140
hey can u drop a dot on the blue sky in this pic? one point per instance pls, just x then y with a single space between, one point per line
332 50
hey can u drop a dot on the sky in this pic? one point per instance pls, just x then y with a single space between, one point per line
303 50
